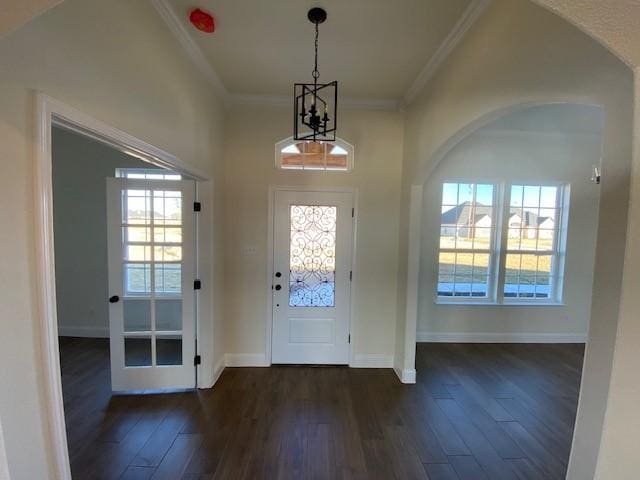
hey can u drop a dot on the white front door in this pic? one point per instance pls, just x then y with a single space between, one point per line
151 245
313 236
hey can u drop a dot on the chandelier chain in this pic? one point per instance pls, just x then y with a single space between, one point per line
316 73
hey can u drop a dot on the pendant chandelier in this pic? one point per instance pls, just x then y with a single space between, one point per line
315 103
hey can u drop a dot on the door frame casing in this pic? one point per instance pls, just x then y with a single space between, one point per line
270 257
51 112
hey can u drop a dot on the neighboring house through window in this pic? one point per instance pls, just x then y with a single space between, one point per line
467 244
522 262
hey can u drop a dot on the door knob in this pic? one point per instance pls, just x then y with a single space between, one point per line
114 299
278 287
278 274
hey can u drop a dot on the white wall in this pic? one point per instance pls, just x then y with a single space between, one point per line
14 13
80 169
117 62
554 143
615 25
251 135
518 54
618 452
4 465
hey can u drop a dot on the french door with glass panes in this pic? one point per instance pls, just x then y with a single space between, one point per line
151 246
313 235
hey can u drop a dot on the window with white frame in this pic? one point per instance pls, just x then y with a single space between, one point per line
467 239
307 155
147 174
534 260
502 243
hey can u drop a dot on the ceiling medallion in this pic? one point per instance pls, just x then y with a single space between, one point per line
315 104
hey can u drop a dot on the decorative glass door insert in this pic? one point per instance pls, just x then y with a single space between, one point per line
312 255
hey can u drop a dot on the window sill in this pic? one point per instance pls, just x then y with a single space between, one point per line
497 304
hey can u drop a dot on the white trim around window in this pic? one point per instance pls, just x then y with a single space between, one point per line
305 155
516 236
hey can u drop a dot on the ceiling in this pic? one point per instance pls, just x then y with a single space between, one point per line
374 48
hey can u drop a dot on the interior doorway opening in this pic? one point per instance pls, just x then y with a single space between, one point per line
88 344
505 241
125 255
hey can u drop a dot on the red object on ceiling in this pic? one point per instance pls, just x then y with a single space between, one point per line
202 20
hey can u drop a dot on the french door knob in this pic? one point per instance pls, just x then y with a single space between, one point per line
278 274
114 299
278 287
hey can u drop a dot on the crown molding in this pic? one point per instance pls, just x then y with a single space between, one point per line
185 39
286 101
457 33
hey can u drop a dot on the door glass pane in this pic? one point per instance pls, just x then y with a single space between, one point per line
136 234
167 235
137 351
136 315
136 207
168 315
168 279
167 207
137 253
312 257
167 253
137 279
152 269
169 350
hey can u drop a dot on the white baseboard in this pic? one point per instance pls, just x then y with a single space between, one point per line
85 332
246 360
407 375
451 337
372 360
218 368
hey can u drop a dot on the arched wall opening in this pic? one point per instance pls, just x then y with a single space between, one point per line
484 78
534 284
553 145
593 326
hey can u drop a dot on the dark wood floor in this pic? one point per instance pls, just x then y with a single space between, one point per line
477 412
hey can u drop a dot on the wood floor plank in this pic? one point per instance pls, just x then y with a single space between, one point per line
501 442
333 422
405 459
448 437
467 468
526 470
495 467
138 473
441 471
175 462
540 456
162 438
475 392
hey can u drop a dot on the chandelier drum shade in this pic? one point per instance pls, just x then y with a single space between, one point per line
315 104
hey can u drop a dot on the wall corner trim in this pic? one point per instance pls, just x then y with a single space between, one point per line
406 376
218 368
246 360
455 36
168 14
372 360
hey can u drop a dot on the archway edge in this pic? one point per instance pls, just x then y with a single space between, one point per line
426 168
613 28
